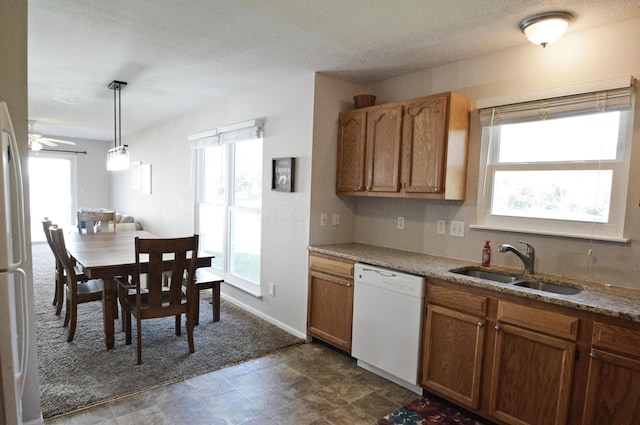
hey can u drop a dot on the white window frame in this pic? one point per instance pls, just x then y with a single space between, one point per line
610 231
225 138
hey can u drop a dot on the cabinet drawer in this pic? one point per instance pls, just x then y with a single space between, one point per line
616 338
330 265
538 320
458 300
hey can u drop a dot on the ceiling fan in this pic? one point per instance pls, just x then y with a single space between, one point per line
37 140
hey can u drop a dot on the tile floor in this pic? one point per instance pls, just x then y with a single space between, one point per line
307 384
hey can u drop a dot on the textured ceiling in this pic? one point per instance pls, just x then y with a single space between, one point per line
177 55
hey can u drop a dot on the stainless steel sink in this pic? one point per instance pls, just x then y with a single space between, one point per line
517 280
548 287
486 274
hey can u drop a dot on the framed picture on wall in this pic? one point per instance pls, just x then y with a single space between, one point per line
282 174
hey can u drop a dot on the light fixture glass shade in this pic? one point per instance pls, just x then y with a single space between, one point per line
118 159
36 146
546 28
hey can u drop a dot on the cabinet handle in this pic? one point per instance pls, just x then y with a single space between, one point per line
359 187
593 355
497 328
368 188
480 325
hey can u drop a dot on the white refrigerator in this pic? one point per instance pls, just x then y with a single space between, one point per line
14 305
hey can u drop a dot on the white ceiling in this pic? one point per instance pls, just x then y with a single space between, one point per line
179 55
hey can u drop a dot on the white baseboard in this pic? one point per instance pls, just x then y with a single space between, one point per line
263 316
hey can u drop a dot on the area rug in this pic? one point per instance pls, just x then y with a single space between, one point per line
83 373
424 411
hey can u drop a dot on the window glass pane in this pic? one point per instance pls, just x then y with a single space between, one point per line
211 231
244 244
582 195
579 138
214 171
248 174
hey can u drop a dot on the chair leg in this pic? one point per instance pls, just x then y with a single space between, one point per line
67 312
178 324
72 325
196 308
139 323
126 316
55 294
59 297
190 325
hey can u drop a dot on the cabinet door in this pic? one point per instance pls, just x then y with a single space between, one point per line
330 309
452 354
424 144
531 377
351 151
384 131
613 390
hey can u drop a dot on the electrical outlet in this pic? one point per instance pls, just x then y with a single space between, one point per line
336 219
272 289
441 227
457 229
400 223
323 219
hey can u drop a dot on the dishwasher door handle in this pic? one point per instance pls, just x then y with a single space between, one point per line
380 272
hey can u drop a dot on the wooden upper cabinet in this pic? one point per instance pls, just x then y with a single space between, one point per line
424 144
384 133
416 149
351 151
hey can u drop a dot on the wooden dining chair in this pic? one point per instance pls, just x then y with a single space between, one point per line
58 296
155 300
76 291
96 221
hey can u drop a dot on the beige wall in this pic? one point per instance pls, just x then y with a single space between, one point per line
287 112
301 118
599 54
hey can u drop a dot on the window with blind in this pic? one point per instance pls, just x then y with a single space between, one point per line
229 201
557 165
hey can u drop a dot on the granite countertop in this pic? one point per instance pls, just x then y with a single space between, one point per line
598 298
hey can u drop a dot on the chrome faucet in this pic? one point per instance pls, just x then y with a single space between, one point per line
527 258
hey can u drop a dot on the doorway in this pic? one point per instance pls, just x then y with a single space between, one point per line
52 183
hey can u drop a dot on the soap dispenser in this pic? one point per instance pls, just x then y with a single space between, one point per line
486 254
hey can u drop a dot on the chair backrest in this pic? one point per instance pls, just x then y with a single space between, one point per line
88 221
183 251
62 256
46 225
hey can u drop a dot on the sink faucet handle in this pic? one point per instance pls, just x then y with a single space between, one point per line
530 249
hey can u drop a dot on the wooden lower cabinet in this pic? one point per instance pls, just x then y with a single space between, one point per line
513 364
330 300
452 360
613 385
531 379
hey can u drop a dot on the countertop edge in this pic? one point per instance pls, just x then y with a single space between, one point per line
612 301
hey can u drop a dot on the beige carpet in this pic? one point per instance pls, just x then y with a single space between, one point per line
83 373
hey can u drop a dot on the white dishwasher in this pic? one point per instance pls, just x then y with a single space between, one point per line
387 323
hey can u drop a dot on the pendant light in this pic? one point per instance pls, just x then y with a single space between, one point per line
545 28
118 156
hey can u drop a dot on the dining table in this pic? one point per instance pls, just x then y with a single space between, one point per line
107 256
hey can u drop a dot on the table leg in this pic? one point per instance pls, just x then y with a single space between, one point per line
107 312
216 302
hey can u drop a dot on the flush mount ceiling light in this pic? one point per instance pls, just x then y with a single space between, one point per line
118 157
545 28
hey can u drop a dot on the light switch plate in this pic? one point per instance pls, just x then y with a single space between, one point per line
400 223
441 227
